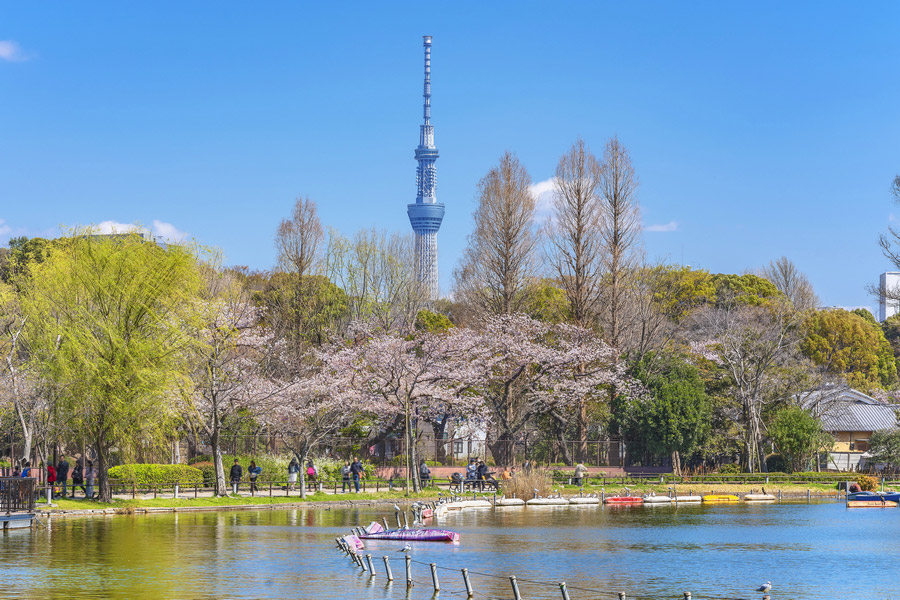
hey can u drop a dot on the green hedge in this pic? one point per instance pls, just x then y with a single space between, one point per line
156 474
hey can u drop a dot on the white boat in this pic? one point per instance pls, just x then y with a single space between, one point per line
547 502
657 500
584 501
688 499
759 498
476 504
510 502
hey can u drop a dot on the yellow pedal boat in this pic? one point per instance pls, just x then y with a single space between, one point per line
720 498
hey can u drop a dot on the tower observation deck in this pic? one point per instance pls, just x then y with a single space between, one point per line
426 214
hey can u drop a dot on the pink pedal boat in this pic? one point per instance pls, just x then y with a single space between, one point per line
376 532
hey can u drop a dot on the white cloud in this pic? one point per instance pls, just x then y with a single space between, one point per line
5 229
670 226
160 229
543 195
11 52
168 232
116 227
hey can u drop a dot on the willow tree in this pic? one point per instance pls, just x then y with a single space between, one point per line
107 323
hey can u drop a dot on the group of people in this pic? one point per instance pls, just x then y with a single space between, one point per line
477 475
350 474
57 476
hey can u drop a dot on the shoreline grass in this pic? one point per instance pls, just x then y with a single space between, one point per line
128 505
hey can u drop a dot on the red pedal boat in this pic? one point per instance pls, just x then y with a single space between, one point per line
624 500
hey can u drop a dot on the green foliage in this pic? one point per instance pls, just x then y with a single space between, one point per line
865 314
208 469
730 469
5 464
544 301
849 345
867 483
108 322
744 289
151 475
675 416
305 309
432 322
798 436
884 446
679 290
23 252
775 464
891 329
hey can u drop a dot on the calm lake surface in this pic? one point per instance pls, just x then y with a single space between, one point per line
817 551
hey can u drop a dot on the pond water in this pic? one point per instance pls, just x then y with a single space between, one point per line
816 551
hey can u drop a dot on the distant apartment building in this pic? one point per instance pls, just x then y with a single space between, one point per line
889 286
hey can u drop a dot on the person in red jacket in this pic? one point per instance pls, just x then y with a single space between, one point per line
51 478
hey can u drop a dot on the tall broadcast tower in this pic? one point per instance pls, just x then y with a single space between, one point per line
426 214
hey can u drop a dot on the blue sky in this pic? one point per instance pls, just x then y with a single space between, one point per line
757 129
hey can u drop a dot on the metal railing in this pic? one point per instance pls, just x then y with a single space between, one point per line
17 494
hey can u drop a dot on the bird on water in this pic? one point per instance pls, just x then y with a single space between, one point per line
765 587
405 548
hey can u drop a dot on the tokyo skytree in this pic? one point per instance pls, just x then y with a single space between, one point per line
426 214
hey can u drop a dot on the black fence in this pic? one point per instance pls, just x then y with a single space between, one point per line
16 494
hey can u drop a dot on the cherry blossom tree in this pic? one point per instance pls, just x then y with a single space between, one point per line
429 375
236 366
534 368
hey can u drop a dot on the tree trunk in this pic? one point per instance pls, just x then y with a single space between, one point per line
411 470
440 448
502 451
566 455
221 488
676 463
582 426
102 483
304 457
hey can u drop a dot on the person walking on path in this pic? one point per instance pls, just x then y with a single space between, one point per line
51 479
311 476
580 472
235 475
62 473
253 472
293 470
345 477
78 478
90 475
357 470
424 473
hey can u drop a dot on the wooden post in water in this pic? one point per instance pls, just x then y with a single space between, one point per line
621 595
371 566
564 590
409 580
434 578
387 568
384 521
687 596
807 495
515 588
465 574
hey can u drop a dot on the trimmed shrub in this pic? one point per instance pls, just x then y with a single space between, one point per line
775 463
730 469
209 473
867 483
153 475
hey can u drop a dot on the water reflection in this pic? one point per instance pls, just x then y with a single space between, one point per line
807 551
